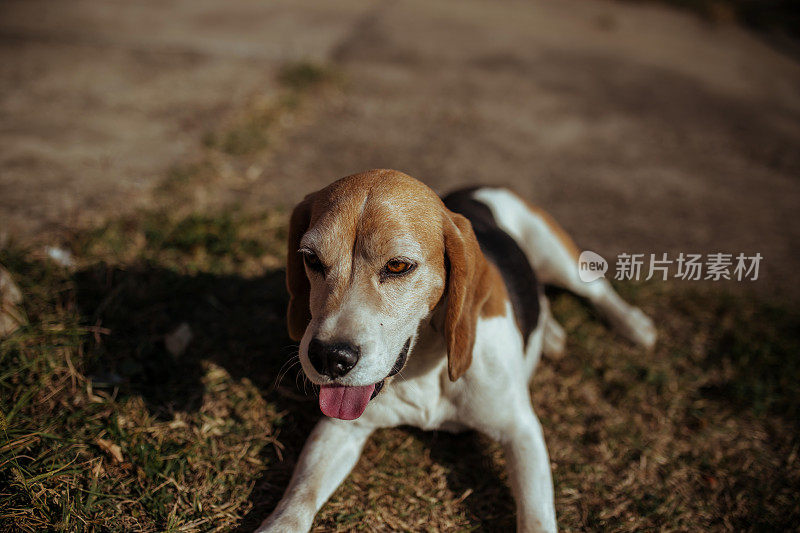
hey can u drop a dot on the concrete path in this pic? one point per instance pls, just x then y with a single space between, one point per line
640 128
98 100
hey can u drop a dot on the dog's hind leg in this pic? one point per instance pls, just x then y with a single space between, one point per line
554 257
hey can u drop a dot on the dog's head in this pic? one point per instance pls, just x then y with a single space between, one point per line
369 258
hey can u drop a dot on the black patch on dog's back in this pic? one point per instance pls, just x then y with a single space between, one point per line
501 249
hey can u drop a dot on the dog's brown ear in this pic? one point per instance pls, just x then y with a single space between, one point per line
298 315
465 292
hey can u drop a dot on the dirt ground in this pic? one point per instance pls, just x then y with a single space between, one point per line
98 100
642 129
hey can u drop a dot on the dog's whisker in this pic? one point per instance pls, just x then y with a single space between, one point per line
289 363
285 372
285 368
301 378
299 375
410 383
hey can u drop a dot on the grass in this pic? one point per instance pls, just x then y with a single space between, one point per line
252 130
103 429
90 374
304 76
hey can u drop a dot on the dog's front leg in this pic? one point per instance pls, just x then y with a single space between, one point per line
529 473
330 453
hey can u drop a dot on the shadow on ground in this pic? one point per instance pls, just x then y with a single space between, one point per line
237 323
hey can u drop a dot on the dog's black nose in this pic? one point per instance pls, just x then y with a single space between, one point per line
333 360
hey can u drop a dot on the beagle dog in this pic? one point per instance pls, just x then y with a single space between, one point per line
386 281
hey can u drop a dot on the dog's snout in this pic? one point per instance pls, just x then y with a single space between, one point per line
332 359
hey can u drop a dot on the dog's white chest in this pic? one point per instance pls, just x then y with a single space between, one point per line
416 401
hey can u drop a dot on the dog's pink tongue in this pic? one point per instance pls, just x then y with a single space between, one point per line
346 403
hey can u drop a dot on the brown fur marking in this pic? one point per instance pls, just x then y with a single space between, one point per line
474 287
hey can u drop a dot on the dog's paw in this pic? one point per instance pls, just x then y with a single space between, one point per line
639 328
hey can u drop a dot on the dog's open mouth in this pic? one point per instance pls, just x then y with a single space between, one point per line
348 403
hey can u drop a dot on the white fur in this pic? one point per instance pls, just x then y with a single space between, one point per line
491 397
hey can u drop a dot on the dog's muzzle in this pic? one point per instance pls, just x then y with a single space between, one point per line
349 402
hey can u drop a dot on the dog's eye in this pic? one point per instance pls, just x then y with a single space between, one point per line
397 267
312 261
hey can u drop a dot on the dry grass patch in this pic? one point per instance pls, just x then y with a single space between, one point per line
701 434
103 429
